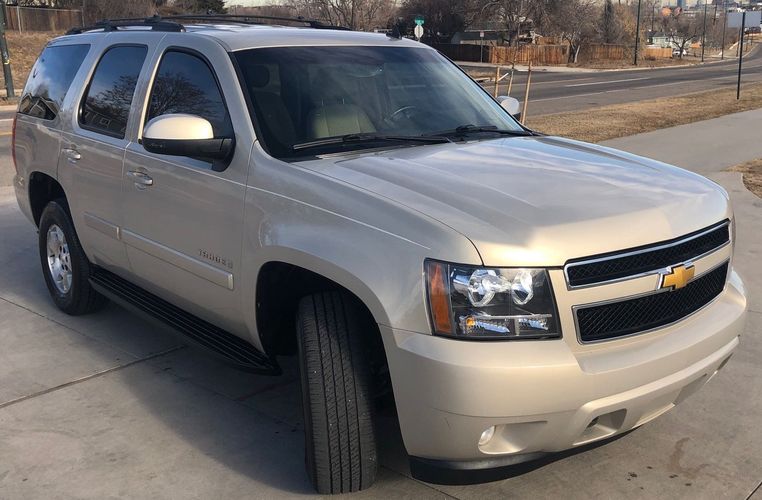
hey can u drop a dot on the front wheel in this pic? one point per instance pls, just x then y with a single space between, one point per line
339 436
64 263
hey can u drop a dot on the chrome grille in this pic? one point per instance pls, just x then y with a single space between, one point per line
632 262
636 315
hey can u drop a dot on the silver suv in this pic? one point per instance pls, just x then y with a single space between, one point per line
356 200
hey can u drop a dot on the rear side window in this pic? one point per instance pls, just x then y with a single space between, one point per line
185 83
106 105
50 79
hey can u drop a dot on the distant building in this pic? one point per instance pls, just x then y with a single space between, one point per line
495 36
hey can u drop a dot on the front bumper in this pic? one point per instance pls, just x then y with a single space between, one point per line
549 396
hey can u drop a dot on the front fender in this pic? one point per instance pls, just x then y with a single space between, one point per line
370 245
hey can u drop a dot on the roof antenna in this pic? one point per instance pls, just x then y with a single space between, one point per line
395 33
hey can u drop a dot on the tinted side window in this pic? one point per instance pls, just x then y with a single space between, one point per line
184 83
106 105
50 79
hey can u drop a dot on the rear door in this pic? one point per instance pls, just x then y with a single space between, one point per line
92 152
183 217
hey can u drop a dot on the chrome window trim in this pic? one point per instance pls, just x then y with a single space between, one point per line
646 250
645 294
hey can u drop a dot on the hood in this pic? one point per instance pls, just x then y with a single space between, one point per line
527 201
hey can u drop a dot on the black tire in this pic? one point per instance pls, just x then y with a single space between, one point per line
338 421
80 297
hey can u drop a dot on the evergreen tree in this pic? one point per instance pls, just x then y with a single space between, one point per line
610 31
209 6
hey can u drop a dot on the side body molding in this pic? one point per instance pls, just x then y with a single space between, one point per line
181 260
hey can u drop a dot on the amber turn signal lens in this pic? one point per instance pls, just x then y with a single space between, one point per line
439 297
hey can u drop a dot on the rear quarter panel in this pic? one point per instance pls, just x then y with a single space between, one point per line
37 146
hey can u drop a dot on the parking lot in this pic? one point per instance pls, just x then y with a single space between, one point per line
107 406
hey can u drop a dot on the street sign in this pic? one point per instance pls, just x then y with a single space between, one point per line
481 34
753 19
419 20
418 31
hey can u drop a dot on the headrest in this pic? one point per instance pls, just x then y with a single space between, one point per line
258 75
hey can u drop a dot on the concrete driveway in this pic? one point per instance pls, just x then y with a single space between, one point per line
107 406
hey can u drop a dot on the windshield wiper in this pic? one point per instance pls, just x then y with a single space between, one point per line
476 129
369 138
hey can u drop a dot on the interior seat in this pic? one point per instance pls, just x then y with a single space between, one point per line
332 114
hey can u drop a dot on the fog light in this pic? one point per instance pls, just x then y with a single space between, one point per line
487 435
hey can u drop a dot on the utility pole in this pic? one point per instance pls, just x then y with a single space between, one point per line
724 25
4 54
703 35
740 56
637 35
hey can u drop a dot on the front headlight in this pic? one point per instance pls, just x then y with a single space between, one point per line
490 304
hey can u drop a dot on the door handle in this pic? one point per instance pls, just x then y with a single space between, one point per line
72 155
141 179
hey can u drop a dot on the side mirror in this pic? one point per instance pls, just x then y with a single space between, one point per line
185 135
510 104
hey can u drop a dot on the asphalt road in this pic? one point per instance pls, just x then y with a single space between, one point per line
556 92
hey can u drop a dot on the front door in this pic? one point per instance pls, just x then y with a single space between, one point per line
183 217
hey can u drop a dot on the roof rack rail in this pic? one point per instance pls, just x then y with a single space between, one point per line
171 24
251 19
156 23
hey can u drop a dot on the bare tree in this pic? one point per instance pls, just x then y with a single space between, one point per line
515 14
354 14
111 9
682 30
574 21
443 17
95 10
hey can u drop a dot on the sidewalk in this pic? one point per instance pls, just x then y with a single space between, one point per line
709 148
107 406
706 147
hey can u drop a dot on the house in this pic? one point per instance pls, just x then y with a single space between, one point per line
664 40
473 37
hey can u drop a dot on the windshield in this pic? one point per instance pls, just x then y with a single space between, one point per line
303 94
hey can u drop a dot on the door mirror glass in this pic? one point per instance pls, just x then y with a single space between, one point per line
510 104
185 135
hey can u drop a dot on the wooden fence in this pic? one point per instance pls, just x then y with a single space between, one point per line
538 54
651 53
462 52
41 19
604 52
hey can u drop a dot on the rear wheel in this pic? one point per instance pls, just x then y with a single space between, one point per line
339 436
64 264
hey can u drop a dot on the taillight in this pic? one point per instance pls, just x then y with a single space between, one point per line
13 143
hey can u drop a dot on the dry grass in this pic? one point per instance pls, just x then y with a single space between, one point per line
619 120
642 63
24 49
752 175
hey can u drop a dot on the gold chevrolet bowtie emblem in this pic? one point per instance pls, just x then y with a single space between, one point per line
676 277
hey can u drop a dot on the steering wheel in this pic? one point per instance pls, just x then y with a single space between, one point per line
403 111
